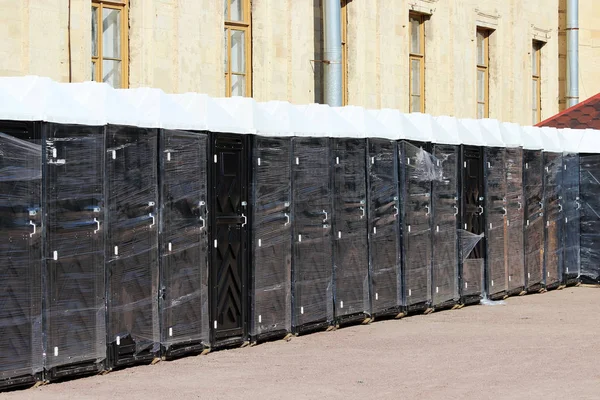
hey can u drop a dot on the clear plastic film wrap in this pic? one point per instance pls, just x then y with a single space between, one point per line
183 295
350 225
74 312
571 210
418 169
384 229
20 254
472 228
590 217
445 236
515 256
553 221
496 222
132 244
272 237
534 218
312 254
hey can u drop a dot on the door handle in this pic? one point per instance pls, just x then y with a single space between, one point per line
505 212
34 228
325 212
541 205
245 220
427 213
203 223
363 212
456 208
153 220
97 225
287 222
560 207
480 208
520 205
396 213
578 205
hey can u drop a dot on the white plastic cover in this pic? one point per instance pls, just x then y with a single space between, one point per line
207 114
531 138
512 134
446 130
365 122
570 139
324 122
590 141
492 132
550 140
471 133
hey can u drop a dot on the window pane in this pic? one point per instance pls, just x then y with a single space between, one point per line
480 110
226 50
481 86
480 48
237 10
415 35
95 31
93 70
225 13
238 52
534 117
111 33
415 77
534 60
415 104
238 85
534 88
111 73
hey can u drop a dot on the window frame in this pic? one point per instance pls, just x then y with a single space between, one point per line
420 57
485 68
344 33
246 26
123 7
536 76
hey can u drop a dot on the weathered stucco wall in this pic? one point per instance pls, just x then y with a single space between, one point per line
177 45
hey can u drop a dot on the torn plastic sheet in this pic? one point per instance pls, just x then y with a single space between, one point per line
554 222
468 242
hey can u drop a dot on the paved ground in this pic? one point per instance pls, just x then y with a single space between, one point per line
540 346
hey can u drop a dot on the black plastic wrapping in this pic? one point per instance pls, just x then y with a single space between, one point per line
495 224
571 210
312 254
20 253
418 170
534 218
183 296
515 256
132 244
553 222
350 225
74 312
272 237
384 228
590 217
472 228
445 255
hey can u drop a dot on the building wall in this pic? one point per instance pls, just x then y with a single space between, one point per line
177 45
589 48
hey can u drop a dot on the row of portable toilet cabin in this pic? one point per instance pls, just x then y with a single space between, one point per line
136 224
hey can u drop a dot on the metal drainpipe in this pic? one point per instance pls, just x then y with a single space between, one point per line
572 52
332 56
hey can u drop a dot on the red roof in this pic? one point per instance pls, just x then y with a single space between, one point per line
581 116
